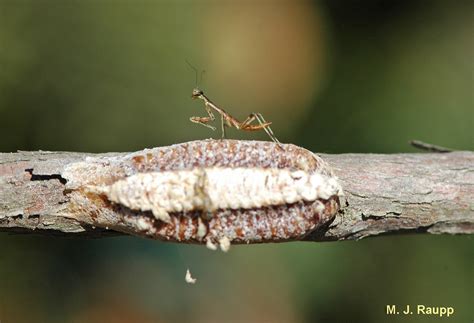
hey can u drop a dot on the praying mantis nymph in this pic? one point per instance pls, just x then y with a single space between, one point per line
226 119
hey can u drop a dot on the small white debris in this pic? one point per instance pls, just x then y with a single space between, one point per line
161 214
318 207
202 229
188 278
224 243
210 245
143 224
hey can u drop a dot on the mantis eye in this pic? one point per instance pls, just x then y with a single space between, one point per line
196 93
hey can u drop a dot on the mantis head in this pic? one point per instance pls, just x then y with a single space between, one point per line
196 93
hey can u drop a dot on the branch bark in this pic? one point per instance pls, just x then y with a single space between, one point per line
384 194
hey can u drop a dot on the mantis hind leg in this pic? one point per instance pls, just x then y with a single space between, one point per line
267 128
262 124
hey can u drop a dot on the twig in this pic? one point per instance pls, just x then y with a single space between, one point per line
384 194
429 147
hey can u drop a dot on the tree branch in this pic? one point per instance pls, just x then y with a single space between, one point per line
384 194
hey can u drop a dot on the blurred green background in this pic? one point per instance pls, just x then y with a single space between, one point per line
333 76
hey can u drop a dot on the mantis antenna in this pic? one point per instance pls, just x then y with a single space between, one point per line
196 73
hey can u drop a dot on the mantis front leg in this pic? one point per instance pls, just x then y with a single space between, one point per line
204 120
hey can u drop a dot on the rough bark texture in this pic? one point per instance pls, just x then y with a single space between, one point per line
431 193
384 194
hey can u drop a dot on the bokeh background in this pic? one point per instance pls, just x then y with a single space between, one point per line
333 76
